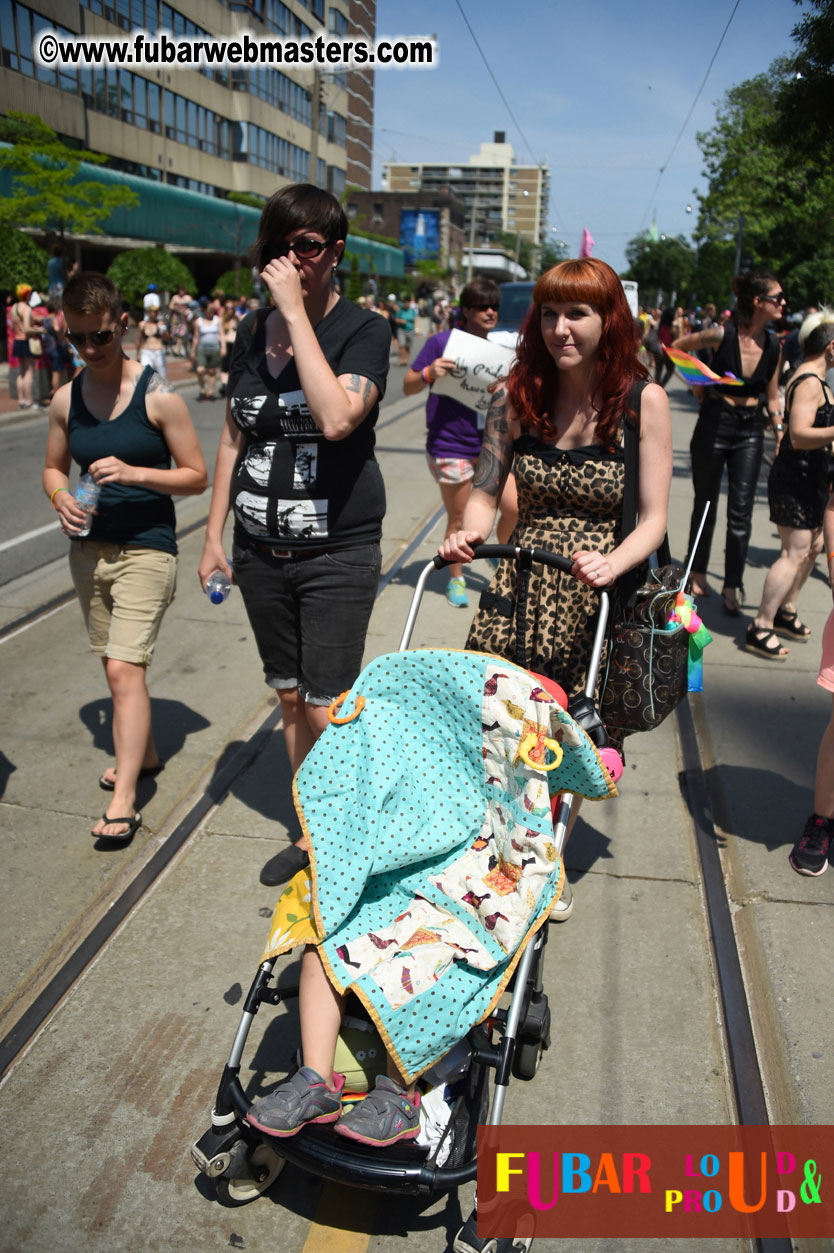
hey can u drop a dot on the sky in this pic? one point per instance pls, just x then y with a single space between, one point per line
599 88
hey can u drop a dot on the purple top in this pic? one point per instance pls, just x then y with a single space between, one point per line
452 427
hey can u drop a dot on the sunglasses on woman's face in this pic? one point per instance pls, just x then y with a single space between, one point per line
97 339
305 248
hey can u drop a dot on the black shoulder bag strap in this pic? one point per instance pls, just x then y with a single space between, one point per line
633 579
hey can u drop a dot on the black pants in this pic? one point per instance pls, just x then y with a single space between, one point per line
725 436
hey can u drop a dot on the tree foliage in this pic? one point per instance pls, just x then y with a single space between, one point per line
660 265
551 253
132 272
783 194
21 261
47 190
806 98
235 282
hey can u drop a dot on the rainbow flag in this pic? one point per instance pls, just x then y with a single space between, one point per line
695 373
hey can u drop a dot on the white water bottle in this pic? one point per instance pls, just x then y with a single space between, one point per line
86 495
218 587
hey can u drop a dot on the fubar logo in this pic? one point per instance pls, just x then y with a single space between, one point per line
698 1182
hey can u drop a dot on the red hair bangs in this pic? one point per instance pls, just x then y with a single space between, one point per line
534 379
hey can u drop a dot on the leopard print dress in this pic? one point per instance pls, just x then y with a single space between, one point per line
567 499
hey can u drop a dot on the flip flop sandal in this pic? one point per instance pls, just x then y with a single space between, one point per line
731 599
133 824
147 772
789 627
759 642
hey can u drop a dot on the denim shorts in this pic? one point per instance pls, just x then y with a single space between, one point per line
309 615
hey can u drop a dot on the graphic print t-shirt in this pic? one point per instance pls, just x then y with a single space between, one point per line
291 485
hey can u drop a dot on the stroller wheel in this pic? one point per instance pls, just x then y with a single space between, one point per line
251 1172
527 1058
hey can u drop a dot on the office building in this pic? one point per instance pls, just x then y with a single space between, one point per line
208 131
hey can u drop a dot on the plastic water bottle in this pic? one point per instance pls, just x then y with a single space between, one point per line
218 587
87 494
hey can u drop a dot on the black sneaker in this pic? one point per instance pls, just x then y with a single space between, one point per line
282 867
810 854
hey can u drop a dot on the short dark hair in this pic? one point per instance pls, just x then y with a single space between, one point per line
478 291
294 207
746 287
90 292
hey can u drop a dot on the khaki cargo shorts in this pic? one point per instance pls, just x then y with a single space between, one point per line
123 594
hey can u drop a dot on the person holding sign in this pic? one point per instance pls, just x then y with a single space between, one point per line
455 432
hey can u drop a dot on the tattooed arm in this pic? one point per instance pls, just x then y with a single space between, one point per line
494 465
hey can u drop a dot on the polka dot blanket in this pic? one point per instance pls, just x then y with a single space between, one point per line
433 862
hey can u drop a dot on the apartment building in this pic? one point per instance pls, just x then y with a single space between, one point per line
498 193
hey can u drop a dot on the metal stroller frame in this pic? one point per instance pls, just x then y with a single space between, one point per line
244 1163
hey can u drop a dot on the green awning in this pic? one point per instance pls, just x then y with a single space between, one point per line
178 218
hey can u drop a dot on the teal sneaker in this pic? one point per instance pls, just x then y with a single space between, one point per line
456 593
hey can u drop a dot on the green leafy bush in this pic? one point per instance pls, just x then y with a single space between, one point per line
226 282
21 261
133 271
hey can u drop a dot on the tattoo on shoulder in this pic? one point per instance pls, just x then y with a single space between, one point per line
497 450
366 395
159 384
354 385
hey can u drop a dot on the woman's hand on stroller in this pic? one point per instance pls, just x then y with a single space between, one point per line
459 546
593 568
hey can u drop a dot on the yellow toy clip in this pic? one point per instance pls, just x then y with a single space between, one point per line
534 748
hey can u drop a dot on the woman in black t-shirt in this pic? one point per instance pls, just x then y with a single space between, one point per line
296 464
730 427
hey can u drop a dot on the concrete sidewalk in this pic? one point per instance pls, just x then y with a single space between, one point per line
126 1069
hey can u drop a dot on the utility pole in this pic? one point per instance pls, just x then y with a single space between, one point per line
472 236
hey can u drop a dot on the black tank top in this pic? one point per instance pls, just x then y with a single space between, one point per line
727 360
138 516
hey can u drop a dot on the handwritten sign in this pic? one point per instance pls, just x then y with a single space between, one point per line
478 362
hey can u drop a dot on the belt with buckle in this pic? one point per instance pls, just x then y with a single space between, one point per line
287 554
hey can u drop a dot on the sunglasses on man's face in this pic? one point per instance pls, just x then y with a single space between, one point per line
305 248
97 339
491 304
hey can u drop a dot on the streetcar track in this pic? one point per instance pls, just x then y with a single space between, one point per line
49 998
736 1014
62 599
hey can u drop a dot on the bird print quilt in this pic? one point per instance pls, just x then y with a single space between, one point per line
428 808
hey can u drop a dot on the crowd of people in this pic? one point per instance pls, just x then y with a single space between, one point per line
303 376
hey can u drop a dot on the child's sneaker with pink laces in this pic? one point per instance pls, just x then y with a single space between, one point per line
303 1099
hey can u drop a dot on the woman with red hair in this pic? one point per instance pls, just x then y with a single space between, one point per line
559 422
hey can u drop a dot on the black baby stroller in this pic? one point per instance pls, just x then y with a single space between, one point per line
508 1041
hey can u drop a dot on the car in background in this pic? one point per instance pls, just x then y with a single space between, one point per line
516 299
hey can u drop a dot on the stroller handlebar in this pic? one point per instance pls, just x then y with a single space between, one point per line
511 550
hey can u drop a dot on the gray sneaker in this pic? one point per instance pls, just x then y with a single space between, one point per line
383 1117
305 1098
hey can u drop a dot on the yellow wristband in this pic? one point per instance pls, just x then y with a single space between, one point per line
55 493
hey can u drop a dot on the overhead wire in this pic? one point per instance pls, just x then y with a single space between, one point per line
505 101
665 164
